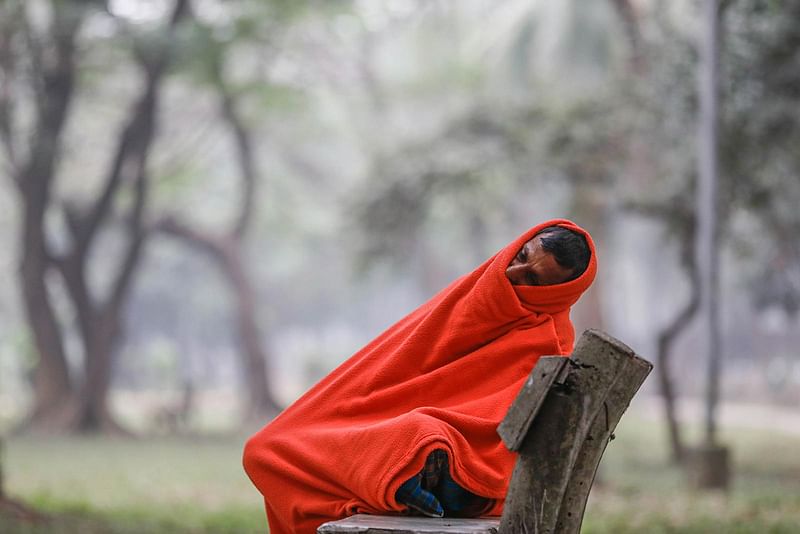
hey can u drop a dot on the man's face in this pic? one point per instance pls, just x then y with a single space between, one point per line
533 266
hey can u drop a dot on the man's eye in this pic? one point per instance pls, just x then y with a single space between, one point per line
521 255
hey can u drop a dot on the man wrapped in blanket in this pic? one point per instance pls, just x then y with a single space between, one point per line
408 423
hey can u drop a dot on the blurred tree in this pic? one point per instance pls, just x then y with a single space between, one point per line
52 48
226 248
654 92
679 225
760 133
51 67
53 83
758 163
253 31
711 468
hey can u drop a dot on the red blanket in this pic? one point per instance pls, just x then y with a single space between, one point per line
443 377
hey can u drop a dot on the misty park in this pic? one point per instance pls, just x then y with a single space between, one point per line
225 223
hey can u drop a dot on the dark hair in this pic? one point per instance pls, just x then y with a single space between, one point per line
569 248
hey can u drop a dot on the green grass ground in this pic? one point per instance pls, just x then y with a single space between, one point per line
178 484
639 492
182 485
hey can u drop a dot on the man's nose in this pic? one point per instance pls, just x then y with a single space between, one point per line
516 273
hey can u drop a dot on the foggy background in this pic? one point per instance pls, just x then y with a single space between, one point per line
306 173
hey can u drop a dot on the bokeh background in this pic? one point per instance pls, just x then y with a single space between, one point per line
207 205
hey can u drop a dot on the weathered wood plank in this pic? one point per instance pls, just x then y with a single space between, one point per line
556 437
377 524
523 410
600 434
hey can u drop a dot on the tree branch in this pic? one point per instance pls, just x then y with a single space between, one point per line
246 162
682 222
52 76
75 282
54 83
139 143
666 338
34 51
225 251
630 20
136 238
129 146
9 15
136 135
174 226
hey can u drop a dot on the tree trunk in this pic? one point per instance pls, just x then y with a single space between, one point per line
665 339
226 250
226 253
100 320
52 385
261 401
57 405
93 414
707 206
670 333
34 178
643 166
710 458
52 388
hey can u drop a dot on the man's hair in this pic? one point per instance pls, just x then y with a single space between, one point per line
569 248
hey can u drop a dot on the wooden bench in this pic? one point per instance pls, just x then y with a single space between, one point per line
560 424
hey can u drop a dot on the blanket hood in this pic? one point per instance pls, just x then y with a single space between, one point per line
536 299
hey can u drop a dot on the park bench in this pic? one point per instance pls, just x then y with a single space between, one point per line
560 424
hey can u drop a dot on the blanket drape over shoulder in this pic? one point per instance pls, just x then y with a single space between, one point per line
443 377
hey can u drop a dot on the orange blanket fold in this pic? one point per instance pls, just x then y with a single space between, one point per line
443 377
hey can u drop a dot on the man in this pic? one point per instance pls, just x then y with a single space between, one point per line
409 422
553 256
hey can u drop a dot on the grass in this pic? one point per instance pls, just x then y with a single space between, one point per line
130 485
196 485
638 491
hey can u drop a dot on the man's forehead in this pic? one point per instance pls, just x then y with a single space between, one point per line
535 240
